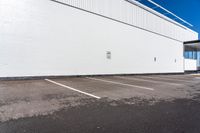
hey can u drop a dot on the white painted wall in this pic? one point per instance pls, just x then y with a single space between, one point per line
134 14
42 38
190 65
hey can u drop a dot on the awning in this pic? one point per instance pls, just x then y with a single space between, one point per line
193 44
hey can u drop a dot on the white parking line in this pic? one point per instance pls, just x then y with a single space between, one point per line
167 79
70 88
119 83
151 81
196 74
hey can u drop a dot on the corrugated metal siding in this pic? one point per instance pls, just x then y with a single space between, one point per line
134 15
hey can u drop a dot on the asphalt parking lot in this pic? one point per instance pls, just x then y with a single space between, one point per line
111 104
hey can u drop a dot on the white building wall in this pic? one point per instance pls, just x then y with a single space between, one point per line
135 15
190 65
41 38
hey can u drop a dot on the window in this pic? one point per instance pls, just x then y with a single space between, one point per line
190 55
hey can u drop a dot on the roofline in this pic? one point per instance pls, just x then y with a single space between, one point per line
192 42
136 3
161 7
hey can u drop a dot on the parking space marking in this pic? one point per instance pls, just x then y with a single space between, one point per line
151 81
70 88
167 79
119 83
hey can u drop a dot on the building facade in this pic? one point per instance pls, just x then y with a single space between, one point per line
88 37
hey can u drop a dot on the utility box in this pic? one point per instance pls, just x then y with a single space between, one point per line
108 55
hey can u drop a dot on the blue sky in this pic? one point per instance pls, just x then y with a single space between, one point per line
188 10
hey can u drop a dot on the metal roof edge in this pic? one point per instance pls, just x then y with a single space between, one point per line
159 15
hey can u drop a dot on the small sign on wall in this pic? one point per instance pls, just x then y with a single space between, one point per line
108 55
